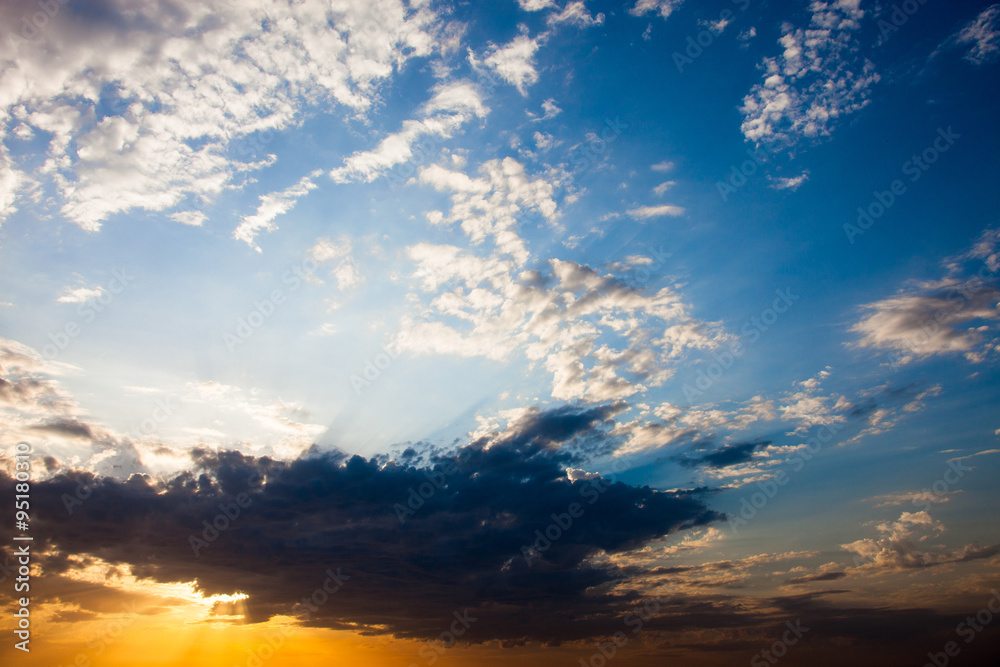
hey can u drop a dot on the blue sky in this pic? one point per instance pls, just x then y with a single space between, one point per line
289 229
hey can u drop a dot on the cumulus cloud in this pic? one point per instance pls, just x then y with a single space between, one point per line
514 62
818 78
489 304
898 546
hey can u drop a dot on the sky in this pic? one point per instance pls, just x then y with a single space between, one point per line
544 332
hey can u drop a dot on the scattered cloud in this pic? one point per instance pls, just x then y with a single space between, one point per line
789 182
662 7
575 13
142 119
981 36
819 78
898 546
515 61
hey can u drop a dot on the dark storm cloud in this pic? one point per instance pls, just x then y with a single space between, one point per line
66 427
721 458
458 548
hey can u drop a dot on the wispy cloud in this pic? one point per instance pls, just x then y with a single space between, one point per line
647 212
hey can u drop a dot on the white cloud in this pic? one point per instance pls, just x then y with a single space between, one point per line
550 109
515 62
192 218
325 249
982 35
663 7
271 206
575 13
647 212
662 167
536 5
80 294
929 321
346 273
660 189
11 182
818 78
789 182
545 141
189 85
451 106
956 314
718 27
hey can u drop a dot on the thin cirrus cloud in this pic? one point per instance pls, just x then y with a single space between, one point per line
647 212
